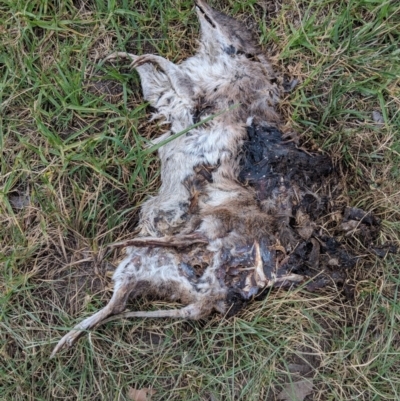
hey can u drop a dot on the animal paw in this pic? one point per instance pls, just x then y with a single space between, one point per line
117 55
147 58
67 341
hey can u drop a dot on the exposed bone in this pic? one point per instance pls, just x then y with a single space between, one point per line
174 241
261 280
191 311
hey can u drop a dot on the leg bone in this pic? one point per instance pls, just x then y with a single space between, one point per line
176 241
192 311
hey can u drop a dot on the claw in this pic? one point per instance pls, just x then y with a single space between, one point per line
140 61
115 55
147 58
68 340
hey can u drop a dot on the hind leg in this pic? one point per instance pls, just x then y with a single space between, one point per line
116 305
193 311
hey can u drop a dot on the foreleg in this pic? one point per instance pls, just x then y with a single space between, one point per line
154 82
146 66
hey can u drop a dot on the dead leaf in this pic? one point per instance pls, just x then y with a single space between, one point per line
143 394
297 368
350 225
296 391
377 117
20 201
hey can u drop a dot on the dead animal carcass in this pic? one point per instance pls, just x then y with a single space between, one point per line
240 207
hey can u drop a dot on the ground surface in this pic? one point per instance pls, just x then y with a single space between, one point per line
73 175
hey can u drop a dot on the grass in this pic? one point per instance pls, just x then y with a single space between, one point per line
74 173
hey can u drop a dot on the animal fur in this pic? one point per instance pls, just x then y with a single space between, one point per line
238 207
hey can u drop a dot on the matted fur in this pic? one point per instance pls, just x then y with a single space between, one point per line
231 216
